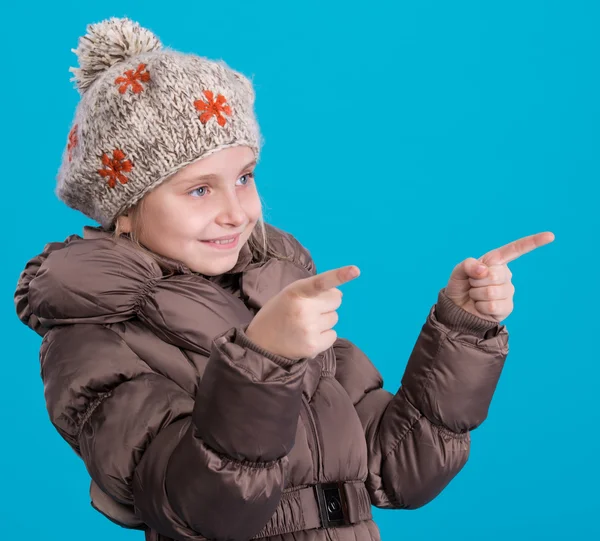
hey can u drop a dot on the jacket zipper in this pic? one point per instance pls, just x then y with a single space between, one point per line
318 451
313 426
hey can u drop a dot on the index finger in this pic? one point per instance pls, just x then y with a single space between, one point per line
312 286
516 248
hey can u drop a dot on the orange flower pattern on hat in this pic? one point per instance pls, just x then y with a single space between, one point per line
133 78
115 167
72 141
213 107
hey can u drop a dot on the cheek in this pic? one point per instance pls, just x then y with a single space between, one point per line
156 218
253 206
162 220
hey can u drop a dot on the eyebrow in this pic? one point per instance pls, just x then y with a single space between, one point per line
211 176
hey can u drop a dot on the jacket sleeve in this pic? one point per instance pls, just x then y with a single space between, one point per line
418 439
211 466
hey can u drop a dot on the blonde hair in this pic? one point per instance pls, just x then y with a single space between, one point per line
259 242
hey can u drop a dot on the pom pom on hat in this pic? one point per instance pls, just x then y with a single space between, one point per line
107 43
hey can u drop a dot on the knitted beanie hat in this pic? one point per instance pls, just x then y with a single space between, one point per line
145 112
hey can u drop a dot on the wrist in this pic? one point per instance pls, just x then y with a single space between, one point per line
456 318
248 340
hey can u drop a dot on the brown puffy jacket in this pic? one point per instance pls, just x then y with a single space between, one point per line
190 431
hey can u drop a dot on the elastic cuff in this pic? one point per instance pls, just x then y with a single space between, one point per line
457 319
241 339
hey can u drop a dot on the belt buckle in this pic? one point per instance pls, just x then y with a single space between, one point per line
333 508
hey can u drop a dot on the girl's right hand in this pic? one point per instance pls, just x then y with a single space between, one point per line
297 322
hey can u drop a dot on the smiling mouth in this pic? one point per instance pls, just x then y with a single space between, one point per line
224 243
227 237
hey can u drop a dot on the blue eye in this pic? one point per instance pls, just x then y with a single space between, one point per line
249 175
196 189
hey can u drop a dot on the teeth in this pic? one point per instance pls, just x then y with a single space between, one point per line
222 241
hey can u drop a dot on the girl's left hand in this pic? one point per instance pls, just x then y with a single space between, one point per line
488 293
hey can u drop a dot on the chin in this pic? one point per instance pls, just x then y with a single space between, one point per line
215 269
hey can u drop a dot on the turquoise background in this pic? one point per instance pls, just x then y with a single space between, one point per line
402 137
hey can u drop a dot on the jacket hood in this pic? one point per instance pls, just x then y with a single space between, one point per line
96 279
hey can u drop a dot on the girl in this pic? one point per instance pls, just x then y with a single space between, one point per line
188 355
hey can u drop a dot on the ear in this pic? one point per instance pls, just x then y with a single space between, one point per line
124 223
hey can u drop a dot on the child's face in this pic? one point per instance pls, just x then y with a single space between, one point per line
186 210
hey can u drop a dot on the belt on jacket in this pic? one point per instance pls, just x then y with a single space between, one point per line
324 505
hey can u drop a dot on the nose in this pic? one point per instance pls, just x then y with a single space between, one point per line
232 211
